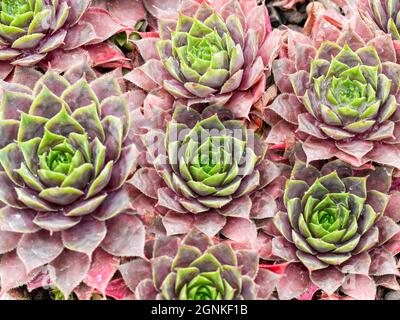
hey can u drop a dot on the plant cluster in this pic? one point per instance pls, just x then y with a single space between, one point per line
188 150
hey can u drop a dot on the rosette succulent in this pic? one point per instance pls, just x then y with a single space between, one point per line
341 97
65 157
385 13
207 164
213 53
31 30
337 226
197 268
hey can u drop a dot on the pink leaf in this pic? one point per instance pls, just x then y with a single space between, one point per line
125 236
118 290
102 270
68 270
240 230
12 272
294 282
39 248
359 287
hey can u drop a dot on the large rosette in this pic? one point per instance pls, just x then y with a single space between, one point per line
215 53
339 94
197 268
203 169
64 158
339 231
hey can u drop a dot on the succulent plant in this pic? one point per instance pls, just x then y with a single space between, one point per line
203 167
339 97
197 268
65 157
339 226
385 13
214 54
31 30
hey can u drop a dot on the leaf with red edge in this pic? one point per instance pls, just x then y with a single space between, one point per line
127 12
118 290
103 54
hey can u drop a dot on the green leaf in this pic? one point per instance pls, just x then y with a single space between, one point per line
206 262
351 229
51 178
336 68
317 230
28 41
183 276
99 155
333 183
61 196
201 189
320 245
79 177
46 104
334 236
48 141
30 127
81 143
29 150
63 124
360 126
329 116
9 160
101 180
88 118
29 178
230 189
198 29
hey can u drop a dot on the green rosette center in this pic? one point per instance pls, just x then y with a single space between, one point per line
15 7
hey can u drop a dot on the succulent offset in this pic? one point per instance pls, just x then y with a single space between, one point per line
197 268
209 53
336 220
344 102
64 158
206 164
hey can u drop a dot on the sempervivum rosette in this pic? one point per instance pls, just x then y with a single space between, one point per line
337 231
340 97
64 158
31 31
213 53
206 170
197 268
